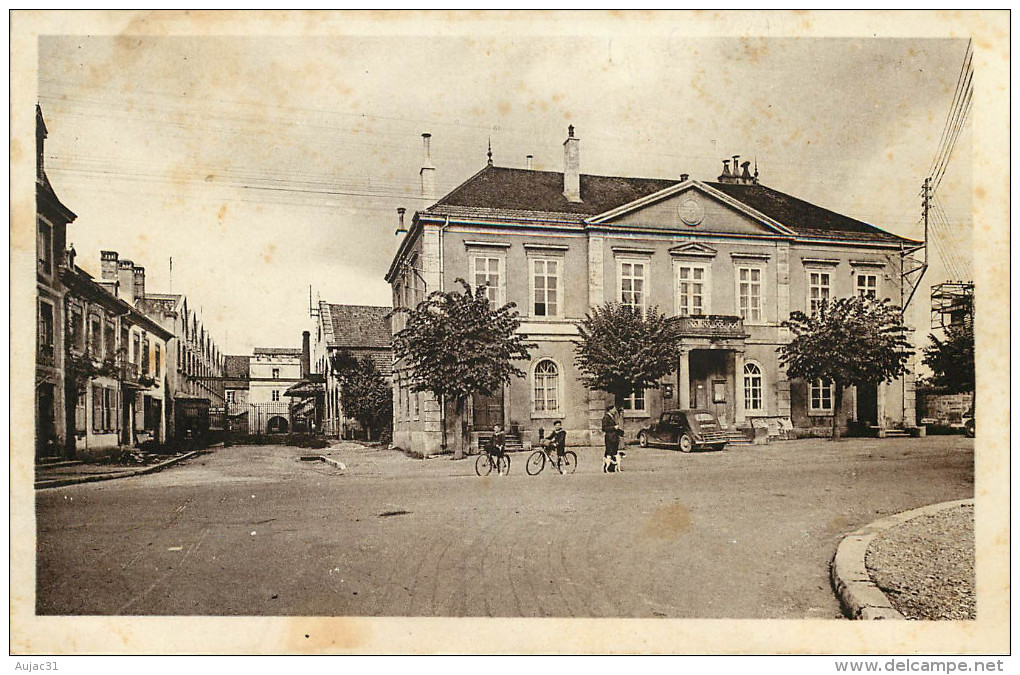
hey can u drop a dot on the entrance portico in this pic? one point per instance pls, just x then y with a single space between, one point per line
711 366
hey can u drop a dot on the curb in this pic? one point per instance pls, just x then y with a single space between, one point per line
857 593
320 458
62 482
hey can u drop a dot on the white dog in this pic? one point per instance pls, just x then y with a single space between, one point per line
608 462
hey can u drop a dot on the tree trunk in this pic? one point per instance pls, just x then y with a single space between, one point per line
837 408
458 452
442 422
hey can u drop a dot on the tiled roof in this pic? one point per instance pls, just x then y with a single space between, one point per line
236 367
502 192
803 217
527 190
381 358
360 326
282 351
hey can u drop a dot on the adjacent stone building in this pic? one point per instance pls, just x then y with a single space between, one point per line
52 218
195 376
729 258
364 332
271 372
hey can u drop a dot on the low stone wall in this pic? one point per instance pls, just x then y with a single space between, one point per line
945 409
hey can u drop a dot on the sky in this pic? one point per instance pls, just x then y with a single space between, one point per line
265 165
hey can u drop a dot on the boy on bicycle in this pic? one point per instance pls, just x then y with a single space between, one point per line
498 448
558 439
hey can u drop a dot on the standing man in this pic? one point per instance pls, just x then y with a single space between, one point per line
612 433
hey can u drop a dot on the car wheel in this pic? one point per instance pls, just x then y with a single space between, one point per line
719 446
642 439
968 430
686 443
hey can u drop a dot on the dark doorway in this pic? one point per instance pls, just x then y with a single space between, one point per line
867 404
712 382
277 425
46 429
488 410
127 426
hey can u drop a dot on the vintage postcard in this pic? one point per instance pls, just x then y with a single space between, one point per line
509 332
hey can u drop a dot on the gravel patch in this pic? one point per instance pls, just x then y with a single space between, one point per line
926 565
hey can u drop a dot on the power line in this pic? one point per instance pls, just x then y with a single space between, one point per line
967 58
955 119
956 137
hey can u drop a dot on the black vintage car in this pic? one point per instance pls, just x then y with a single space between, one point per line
685 430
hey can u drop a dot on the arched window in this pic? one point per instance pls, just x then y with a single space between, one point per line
547 387
753 399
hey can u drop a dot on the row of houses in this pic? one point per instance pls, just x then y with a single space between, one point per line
115 364
729 258
284 389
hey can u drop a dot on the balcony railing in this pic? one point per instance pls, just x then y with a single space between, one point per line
710 326
46 355
128 371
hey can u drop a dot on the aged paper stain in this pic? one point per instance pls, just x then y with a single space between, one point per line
667 522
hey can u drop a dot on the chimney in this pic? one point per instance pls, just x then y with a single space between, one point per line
428 172
745 175
572 166
725 176
306 354
400 221
531 162
108 261
126 277
684 177
139 283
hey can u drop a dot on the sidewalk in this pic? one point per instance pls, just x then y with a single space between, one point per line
70 473
926 565
918 564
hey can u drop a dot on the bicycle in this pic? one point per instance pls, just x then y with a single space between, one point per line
537 460
486 462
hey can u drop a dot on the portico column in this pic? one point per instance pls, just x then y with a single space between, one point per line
738 385
683 380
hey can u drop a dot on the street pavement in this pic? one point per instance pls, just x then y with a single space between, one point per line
252 530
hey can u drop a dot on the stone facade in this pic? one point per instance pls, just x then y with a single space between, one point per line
730 259
52 218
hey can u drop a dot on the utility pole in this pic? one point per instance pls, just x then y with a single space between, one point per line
925 203
921 267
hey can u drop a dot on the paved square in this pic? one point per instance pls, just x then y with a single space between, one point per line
251 530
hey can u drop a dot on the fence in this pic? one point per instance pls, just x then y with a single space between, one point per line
256 419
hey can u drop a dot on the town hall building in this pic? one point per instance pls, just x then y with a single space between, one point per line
729 258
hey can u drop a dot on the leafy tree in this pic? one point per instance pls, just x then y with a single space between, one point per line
366 395
952 359
621 349
850 341
455 345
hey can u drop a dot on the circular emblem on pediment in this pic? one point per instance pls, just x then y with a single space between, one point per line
690 212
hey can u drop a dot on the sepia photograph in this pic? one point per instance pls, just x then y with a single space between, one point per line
400 331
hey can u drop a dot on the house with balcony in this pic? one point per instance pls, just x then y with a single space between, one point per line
116 367
729 259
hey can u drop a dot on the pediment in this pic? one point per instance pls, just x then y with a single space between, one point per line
693 249
695 208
